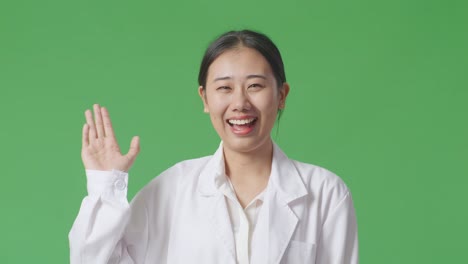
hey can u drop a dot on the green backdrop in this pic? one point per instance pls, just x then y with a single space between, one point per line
379 93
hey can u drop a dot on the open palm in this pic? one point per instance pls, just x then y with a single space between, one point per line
100 150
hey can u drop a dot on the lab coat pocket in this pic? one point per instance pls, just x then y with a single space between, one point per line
299 252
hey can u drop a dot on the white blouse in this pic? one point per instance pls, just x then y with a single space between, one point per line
243 220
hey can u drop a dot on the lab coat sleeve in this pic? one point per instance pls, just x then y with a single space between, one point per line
338 240
97 235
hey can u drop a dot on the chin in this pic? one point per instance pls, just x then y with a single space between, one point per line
245 145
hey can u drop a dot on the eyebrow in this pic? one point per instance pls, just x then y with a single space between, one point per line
251 76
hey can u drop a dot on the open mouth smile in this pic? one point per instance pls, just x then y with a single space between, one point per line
242 126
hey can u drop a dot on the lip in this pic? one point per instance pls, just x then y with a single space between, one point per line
245 129
240 117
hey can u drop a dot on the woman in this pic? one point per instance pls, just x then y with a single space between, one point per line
247 203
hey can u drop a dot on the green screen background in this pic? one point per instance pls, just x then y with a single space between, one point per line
379 93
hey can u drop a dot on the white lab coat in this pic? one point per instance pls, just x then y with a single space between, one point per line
181 217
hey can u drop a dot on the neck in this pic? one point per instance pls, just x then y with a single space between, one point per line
253 167
249 171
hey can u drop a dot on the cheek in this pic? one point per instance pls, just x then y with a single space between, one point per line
217 108
269 104
218 102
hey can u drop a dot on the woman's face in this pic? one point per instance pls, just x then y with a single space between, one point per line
242 98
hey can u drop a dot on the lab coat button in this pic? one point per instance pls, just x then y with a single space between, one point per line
120 184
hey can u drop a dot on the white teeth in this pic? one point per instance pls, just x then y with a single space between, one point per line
241 121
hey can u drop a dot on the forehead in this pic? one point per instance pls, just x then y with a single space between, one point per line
238 63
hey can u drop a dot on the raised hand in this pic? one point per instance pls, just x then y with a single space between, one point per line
100 150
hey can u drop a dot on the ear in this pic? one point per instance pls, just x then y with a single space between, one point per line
202 94
284 91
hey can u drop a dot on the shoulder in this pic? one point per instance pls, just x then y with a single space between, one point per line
183 171
327 193
185 167
322 184
166 184
317 180
319 177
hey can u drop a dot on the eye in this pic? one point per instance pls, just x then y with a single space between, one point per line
223 88
256 85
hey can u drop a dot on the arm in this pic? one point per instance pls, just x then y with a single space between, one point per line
338 240
97 235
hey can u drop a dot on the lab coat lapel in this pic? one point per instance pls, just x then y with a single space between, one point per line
276 225
215 201
222 225
283 222
286 187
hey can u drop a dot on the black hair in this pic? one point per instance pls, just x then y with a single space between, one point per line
243 38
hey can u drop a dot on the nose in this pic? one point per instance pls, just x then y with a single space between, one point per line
240 101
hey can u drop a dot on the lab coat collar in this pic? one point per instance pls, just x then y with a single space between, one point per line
284 177
279 220
209 177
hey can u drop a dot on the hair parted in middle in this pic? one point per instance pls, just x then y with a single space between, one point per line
243 38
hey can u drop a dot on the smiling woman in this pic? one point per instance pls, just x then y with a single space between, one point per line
247 203
243 98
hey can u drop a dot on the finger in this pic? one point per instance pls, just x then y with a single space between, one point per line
108 130
85 137
90 122
134 147
98 118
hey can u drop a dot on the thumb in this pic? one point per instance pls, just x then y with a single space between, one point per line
134 147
